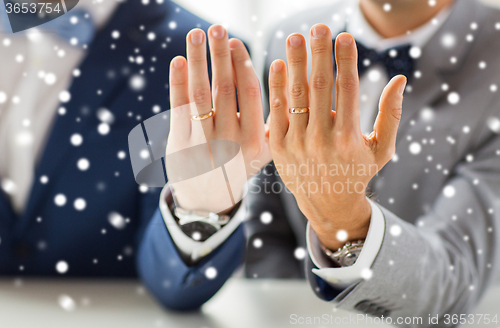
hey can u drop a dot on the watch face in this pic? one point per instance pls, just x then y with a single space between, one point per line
199 231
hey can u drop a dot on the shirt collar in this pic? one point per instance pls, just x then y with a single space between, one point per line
358 26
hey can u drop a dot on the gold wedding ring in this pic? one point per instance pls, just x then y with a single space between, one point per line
202 116
298 110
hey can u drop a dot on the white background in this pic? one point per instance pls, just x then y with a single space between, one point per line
253 20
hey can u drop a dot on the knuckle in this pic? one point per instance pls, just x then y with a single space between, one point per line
321 82
276 83
346 57
220 53
296 61
225 88
348 83
196 59
320 49
297 91
177 83
396 113
276 103
201 95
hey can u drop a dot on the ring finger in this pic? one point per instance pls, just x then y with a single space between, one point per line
199 85
296 54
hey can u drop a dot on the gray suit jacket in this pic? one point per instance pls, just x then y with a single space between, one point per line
448 252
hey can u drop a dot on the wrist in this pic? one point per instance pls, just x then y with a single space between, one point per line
349 223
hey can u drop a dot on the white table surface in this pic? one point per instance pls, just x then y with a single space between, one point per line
240 303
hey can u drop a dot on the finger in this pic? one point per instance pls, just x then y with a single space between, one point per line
248 88
321 81
389 115
224 93
347 84
180 119
199 85
298 87
277 101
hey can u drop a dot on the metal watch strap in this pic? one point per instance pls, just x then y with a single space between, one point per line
346 255
197 224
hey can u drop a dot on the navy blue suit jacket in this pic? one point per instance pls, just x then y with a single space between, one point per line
32 243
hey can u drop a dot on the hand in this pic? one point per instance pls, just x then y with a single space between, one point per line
233 78
322 156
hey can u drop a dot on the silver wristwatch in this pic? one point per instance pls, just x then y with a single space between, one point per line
346 255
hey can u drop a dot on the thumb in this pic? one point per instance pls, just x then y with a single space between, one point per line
389 115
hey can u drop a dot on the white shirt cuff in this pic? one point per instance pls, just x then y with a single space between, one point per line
345 276
190 247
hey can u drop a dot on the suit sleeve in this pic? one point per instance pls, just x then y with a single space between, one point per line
174 283
443 264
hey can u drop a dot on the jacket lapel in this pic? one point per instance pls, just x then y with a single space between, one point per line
101 80
436 61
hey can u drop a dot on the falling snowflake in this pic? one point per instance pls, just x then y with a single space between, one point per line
137 82
60 200
116 220
103 129
67 303
64 96
83 164
366 273
211 273
415 148
448 40
266 217
105 116
395 230
257 243
493 124
76 139
62 267
453 98
80 204
449 191
121 154
415 52
300 253
342 235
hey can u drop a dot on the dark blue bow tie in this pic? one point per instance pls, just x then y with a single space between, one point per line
396 60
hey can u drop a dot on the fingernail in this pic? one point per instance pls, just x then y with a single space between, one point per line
344 39
277 66
235 44
319 31
295 41
218 31
196 37
402 87
178 63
